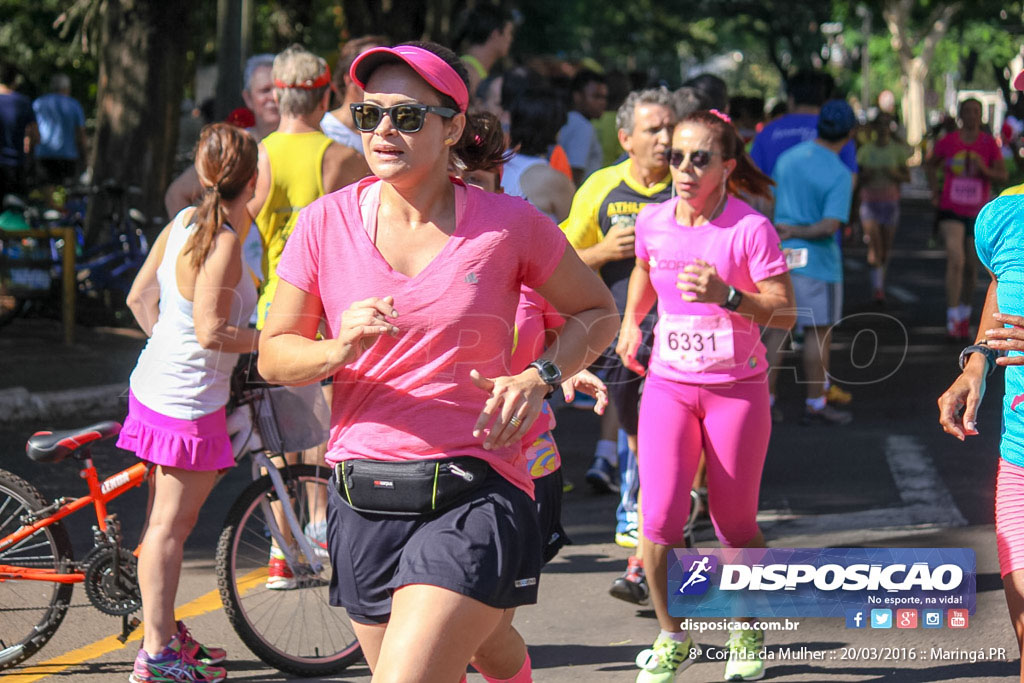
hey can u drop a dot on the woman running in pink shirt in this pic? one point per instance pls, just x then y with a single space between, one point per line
430 522
717 271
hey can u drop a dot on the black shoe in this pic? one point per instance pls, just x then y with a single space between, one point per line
632 585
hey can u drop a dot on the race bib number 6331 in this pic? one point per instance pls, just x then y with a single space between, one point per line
695 342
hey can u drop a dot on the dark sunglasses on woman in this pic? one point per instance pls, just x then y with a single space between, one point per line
700 158
406 118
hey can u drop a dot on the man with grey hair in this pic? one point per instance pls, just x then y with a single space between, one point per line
258 95
600 228
61 131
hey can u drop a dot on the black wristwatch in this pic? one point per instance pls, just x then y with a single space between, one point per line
732 302
549 374
982 348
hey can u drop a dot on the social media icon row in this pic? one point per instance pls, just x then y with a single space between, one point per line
905 618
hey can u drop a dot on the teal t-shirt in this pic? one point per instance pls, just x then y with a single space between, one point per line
813 183
999 238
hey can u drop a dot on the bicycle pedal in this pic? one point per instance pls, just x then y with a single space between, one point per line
127 628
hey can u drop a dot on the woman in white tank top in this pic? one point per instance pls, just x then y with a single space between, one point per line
193 296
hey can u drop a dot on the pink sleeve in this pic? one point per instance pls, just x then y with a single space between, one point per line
639 233
542 245
764 250
300 260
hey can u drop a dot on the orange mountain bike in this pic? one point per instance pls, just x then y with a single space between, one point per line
280 511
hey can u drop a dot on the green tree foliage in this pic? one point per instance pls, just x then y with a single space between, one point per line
32 40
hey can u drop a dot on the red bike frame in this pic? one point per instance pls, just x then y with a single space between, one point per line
100 493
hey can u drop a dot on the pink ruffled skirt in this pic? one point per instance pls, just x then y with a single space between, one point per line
198 445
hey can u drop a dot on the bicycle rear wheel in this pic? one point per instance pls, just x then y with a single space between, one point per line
31 610
295 630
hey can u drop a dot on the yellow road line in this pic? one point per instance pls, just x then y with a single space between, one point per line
201 605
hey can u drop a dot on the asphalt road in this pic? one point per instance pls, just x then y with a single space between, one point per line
890 479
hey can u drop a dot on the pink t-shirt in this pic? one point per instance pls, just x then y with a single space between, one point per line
410 397
705 343
965 190
533 316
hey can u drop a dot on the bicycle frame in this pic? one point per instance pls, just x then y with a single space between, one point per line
100 493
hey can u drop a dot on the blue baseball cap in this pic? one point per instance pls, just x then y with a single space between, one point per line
836 119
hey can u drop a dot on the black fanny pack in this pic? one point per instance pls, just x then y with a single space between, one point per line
408 488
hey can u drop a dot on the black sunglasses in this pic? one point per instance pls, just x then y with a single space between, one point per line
407 118
700 158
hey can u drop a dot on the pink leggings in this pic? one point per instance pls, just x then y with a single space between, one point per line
731 424
1010 517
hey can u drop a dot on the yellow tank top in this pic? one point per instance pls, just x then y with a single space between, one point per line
296 163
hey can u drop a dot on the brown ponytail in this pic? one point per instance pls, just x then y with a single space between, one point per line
746 178
482 145
225 162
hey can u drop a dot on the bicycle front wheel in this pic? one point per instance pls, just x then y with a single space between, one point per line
294 629
31 610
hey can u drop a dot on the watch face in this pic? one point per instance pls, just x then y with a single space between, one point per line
549 372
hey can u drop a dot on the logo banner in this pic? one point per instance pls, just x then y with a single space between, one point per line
818 582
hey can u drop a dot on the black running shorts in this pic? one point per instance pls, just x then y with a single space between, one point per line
487 548
548 493
624 385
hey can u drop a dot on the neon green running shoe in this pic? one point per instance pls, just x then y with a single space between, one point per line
666 659
745 655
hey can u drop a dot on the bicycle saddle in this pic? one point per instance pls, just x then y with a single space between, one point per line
55 446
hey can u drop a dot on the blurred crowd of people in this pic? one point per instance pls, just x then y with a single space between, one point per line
717 227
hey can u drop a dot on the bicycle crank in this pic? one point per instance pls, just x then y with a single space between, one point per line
112 580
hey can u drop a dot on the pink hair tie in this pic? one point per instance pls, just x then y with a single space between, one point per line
477 139
724 117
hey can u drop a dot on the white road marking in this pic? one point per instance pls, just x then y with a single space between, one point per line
902 294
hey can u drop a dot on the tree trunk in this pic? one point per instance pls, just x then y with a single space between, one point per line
897 15
141 73
915 75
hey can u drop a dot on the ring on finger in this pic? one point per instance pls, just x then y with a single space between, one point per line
515 421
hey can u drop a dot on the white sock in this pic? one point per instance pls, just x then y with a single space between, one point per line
678 636
607 450
963 312
816 404
771 400
828 383
953 314
877 275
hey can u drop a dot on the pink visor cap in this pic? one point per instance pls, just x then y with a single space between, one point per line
1018 81
429 66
